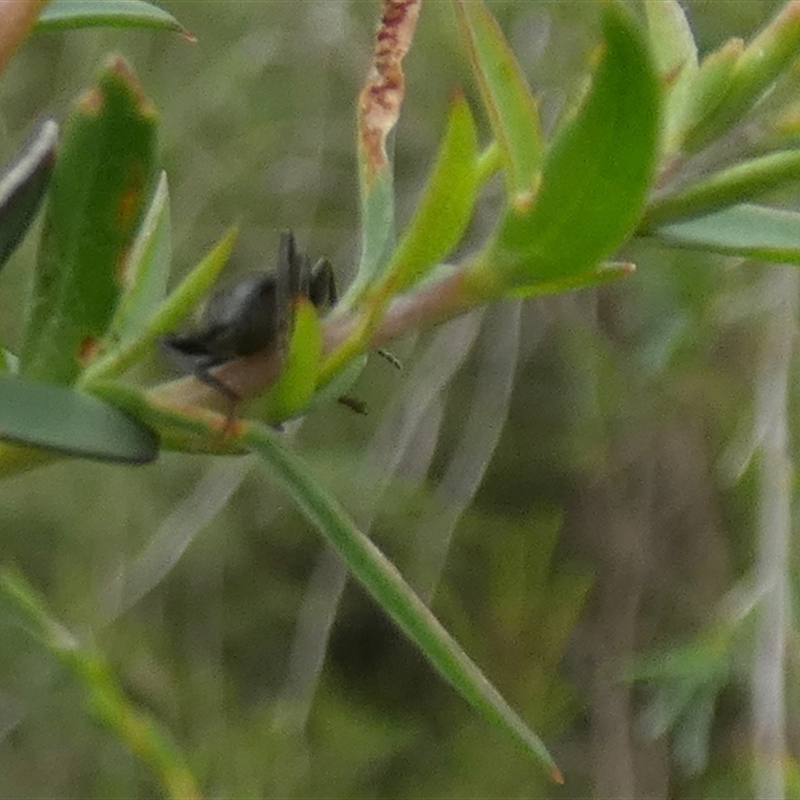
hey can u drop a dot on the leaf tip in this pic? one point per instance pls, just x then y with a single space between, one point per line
90 102
118 71
556 776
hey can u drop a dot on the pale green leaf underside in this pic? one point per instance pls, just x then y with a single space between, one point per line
754 231
62 419
61 14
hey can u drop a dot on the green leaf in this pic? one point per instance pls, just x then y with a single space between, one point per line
446 206
595 179
730 186
597 275
512 110
377 230
68 421
382 580
146 270
188 429
62 14
756 69
708 88
295 387
104 168
168 315
671 39
760 232
22 186
675 53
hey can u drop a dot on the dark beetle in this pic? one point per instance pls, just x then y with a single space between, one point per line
252 315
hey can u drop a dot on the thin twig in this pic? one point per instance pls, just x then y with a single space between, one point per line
773 546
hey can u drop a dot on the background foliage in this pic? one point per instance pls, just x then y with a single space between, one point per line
617 468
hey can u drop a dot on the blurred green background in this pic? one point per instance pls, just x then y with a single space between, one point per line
564 473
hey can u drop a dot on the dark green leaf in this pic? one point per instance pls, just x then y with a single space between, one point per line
101 179
60 14
595 179
23 184
57 418
146 270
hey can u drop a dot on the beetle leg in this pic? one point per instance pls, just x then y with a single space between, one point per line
203 373
353 403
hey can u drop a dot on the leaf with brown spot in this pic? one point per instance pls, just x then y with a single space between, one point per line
378 110
380 99
104 167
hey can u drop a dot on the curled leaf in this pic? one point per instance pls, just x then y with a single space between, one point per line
23 184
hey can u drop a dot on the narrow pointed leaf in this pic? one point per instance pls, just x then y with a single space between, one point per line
377 231
168 315
382 580
736 184
671 39
295 388
598 275
64 14
675 54
23 184
68 421
99 185
758 67
710 84
511 108
752 231
595 179
146 269
446 205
